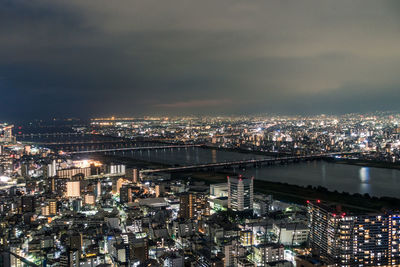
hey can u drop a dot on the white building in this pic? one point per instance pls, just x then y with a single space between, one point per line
240 193
296 233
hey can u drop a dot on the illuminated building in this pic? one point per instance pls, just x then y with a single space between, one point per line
246 238
116 169
50 170
186 207
69 173
240 193
267 253
159 189
361 240
52 207
97 190
15 262
73 189
6 133
219 190
291 233
89 199
193 206
45 210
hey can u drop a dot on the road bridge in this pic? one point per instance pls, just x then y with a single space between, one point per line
89 142
49 134
244 163
132 148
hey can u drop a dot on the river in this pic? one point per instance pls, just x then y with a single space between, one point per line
340 177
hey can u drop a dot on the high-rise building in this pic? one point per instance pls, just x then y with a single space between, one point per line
159 189
240 193
193 205
186 207
50 170
98 189
52 207
353 240
73 189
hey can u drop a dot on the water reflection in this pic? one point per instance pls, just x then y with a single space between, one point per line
364 178
214 156
364 175
323 169
340 177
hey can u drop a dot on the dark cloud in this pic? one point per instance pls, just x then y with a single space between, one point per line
99 57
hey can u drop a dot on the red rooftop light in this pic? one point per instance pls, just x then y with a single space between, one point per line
318 201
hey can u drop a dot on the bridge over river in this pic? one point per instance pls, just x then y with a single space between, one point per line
246 163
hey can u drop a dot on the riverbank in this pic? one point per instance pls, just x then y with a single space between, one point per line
281 191
299 194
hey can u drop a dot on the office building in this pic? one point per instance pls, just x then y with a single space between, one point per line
240 193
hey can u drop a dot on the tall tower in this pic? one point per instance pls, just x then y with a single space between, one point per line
186 206
240 193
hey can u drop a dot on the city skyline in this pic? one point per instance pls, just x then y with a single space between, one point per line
190 133
91 58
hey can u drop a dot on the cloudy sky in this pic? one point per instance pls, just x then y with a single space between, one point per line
99 57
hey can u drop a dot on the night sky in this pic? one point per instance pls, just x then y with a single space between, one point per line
204 57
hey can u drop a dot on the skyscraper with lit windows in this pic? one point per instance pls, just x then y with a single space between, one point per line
240 193
353 240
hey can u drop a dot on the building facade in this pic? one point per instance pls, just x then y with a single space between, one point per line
240 193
